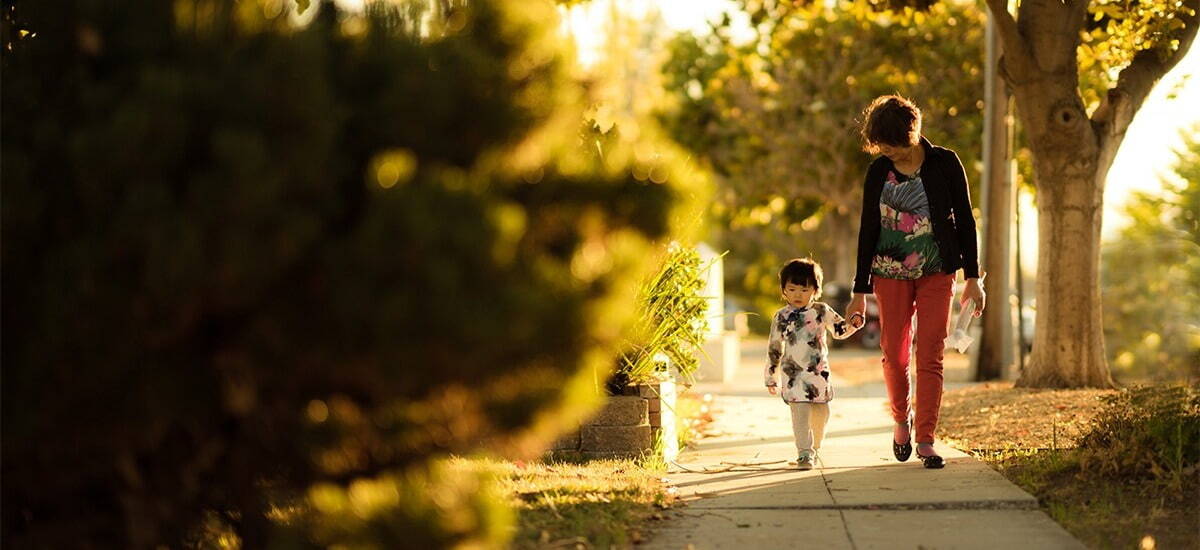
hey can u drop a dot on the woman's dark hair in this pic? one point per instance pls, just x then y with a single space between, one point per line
802 271
891 120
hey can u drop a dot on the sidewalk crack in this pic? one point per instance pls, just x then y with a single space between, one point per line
841 511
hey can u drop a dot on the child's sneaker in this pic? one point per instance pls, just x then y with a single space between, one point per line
804 462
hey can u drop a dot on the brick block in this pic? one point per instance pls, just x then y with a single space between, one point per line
623 439
622 410
649 391
605 455
569 442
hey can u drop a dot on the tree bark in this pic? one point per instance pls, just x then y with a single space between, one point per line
1070 167
1068 340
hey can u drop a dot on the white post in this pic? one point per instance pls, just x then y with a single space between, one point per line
719 360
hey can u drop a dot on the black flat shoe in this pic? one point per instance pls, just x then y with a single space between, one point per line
932 462
902 450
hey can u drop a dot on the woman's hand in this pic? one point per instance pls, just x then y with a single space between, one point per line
974 291
856 312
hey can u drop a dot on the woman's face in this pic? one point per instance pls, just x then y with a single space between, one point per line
899 155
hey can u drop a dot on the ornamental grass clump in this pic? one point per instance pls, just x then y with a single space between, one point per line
1150 432
671 322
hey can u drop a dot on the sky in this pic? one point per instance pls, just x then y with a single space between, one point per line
1144 159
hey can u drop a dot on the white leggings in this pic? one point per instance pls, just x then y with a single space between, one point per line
808 424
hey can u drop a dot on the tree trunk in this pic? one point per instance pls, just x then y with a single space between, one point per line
1070 167
1071 157
1072 154
1068 340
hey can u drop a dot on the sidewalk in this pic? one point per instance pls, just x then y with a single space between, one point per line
858 497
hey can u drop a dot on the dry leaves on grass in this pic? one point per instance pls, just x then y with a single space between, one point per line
999 416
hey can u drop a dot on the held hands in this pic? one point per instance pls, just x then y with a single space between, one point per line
974 291
856 312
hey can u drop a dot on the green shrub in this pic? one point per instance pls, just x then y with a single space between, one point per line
1147 432
256 270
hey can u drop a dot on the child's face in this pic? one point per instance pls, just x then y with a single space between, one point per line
798 295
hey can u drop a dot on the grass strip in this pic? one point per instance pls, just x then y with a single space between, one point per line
1031 437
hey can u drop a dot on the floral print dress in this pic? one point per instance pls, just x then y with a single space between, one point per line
797 347
907 248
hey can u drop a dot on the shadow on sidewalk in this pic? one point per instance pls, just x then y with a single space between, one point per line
702 446
909 484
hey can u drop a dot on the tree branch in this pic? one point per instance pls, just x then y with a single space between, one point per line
1078 11
1138 79
1015 49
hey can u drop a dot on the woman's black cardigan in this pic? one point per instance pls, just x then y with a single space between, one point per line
949 209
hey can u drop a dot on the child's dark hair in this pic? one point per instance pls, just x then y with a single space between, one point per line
891 120
801 271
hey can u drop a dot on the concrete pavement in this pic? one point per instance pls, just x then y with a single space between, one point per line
739 490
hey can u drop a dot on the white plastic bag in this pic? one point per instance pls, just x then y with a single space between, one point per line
958 338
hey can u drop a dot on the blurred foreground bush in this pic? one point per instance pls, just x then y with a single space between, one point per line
259 274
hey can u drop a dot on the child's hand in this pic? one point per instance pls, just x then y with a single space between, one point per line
772 390
856 320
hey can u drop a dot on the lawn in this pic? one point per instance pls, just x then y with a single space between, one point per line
591 504
595 504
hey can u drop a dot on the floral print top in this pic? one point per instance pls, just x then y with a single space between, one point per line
907 248
797 347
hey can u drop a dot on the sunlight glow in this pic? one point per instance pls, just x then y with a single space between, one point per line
587 22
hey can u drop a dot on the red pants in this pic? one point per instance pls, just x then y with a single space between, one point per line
930 297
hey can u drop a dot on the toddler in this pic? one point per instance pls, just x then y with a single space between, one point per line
797 347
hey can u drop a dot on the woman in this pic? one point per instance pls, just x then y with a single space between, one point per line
916 232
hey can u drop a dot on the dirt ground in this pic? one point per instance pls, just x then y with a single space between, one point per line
998 416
